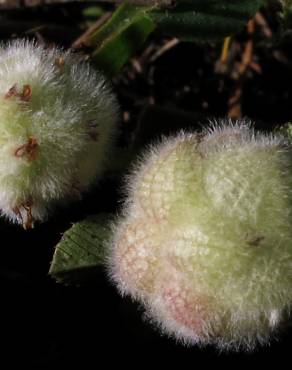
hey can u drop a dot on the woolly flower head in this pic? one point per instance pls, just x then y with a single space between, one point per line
205 243
57 117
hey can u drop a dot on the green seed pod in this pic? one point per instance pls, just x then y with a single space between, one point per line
205 243
57 119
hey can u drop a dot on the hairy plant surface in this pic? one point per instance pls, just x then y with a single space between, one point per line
57 118
205 240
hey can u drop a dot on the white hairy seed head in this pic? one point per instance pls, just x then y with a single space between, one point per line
57 118
206 240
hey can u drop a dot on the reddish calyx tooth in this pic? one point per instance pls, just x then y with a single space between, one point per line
28 221
92 131
11 92
60 63
24 96
28 149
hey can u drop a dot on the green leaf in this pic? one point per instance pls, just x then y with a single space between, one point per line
204 20
287 13
121 37
80 254
190 20
93 12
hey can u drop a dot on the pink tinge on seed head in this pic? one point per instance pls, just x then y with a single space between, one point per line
212 248
182 310
134 262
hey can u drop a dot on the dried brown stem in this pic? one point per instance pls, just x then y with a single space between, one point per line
84 38
235 100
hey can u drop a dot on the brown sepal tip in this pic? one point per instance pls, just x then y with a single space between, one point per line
28 149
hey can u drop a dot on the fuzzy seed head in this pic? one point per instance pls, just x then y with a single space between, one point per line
57 119
205 241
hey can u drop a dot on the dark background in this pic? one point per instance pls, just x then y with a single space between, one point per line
44 324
